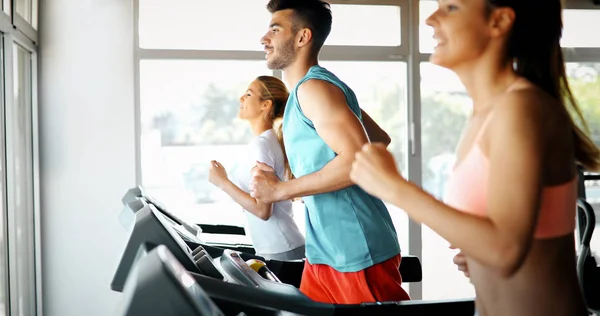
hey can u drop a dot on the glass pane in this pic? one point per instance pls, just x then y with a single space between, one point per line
426 42
189 117
24 9
584 79
578 28
192 24
3 241
34 14
6 7
444 109
378 25
239 25
381 91
23 183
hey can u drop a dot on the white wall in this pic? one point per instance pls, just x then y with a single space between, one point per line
87 150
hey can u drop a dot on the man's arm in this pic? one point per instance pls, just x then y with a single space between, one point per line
325 105
375 132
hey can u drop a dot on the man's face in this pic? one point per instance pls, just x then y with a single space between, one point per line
279 42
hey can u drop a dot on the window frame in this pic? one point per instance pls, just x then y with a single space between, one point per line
5 22
3 185
9 42
21 23
6 6
16 31
330 53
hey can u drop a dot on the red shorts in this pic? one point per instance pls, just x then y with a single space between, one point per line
378 283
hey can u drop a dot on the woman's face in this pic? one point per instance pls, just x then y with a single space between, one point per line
461 30
251 105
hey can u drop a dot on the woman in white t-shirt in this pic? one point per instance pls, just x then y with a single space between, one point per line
272 228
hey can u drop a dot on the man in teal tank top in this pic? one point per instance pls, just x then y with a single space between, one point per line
351 243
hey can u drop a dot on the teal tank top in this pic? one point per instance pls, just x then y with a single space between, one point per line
349 229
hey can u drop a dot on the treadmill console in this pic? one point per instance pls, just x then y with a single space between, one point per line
236 267
153 228
239 272
189 231
206 264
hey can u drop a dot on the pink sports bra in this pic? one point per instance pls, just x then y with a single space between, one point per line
467 191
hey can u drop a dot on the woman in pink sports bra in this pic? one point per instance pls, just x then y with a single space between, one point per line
512 193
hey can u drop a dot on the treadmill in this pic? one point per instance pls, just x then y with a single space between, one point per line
288 271
191 233
159 285
236 288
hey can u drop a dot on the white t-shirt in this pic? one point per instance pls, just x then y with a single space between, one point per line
279 233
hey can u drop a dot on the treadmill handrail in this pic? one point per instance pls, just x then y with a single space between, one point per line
591 176
259 297
262 298
222 229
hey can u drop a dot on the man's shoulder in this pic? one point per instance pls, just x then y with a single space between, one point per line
316 85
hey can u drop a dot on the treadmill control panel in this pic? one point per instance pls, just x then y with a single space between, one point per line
205 263
241 273
237 268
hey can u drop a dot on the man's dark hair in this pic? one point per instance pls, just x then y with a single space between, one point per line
312 14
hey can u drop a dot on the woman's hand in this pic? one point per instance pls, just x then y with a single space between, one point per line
461 263
374 170
217 174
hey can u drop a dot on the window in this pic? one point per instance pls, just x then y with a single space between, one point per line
189 117
378 25
24 9
28 10
188 107
584 79
6 6
444 109
380 88
20 199
191 24
579 26
34 14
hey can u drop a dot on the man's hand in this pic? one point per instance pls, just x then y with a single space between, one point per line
264 184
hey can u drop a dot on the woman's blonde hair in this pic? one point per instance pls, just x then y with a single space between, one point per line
273 89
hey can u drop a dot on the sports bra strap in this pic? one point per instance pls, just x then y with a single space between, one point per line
491 115
483 127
